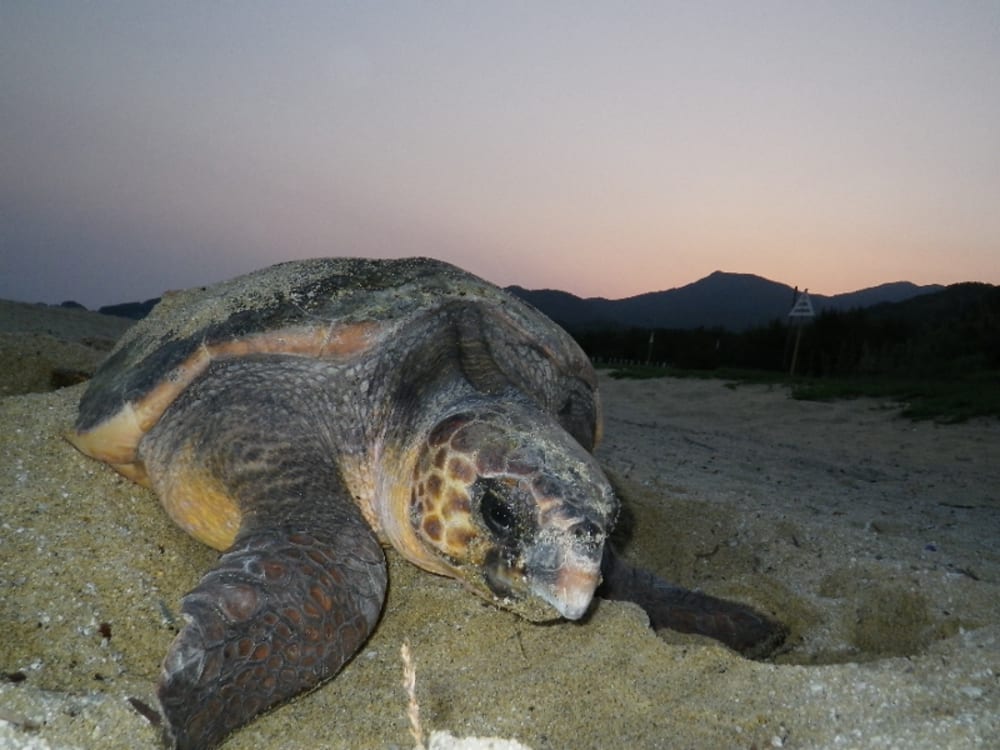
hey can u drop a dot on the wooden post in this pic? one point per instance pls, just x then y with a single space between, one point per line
795 351
801 312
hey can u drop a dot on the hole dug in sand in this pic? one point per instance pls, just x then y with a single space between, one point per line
877 616
858 613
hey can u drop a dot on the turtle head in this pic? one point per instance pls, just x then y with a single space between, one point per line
507 501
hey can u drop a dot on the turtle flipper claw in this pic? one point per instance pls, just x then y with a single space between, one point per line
742 628
279 614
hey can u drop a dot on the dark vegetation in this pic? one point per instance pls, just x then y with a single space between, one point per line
938 354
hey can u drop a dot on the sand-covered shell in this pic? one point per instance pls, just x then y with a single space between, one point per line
334 308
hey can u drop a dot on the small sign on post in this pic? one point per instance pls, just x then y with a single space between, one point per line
800 314
803 307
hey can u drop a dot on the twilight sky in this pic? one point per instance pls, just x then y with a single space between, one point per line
602 148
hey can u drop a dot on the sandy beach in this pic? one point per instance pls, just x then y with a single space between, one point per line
876 539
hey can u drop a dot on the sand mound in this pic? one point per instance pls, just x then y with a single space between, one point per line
45 348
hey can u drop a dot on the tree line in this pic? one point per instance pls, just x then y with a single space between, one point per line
946 334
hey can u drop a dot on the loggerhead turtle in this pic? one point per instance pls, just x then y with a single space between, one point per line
298 417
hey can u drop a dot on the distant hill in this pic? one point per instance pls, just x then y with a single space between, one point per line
133 310
952 302
898 291
733 301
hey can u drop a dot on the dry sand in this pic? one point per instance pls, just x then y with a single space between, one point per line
876 539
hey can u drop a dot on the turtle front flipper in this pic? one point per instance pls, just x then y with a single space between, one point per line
281 612
741 628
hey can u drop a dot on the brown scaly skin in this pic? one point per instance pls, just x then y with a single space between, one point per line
458 430
281 612
302 586
517 508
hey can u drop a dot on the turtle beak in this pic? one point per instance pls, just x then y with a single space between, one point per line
566 579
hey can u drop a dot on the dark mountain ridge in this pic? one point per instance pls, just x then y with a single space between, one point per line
733 301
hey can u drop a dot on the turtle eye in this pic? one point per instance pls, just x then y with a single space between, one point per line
497 514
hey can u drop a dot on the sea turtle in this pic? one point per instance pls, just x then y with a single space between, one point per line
299 417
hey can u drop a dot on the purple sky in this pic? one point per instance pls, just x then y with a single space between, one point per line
606 149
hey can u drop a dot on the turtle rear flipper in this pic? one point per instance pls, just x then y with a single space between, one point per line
741 628
281 612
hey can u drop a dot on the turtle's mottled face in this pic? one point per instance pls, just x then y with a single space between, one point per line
516 508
